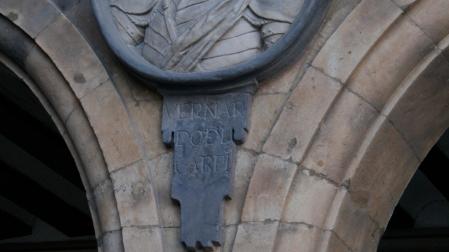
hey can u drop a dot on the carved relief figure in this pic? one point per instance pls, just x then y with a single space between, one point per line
202 35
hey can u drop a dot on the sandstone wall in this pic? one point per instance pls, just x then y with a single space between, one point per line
333 143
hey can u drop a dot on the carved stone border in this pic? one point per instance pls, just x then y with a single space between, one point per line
246 73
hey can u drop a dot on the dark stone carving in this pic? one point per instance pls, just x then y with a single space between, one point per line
202 35
302 25
204 131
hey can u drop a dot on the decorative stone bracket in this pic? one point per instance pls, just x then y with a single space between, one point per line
204 131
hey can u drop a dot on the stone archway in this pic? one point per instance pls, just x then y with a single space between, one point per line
333 143
70 81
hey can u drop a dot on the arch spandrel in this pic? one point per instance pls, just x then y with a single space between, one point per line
326 203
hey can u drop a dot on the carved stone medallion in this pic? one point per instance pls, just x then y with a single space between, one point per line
199 35
206 58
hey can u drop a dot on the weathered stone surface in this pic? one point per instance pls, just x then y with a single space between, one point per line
309 200
31 15
161 170
172 239
111 242
138 239
106 207
334 243
264 113
243 174
135 197
229 237
353 39
376 160
284 81
147 116
425 103
306 107
256 236
144 107
382 173
81 134
391 186
358 228
111 124
268 189
296 237
334 146
61 41
50 82
431 16
380 73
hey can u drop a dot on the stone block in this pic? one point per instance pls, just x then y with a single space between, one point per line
106 206
296 237
389 63
264 113
355 37
420 114
301 115
284 81
255 237
50 82
353 225
229 236
172 240
111 242
136 201
243 172
112 126
386 154
340 136
431 16
72 55
334 243
385 198
268 189
87 149
309 200
147 116
161 170
138 239
32 16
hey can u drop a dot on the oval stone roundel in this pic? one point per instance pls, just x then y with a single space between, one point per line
207 45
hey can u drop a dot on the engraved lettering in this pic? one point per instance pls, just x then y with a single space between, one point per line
211 109
185 111
207 111
198 111
196 138
205 167
212 136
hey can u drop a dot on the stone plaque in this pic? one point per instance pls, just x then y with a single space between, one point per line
206 57
204 131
